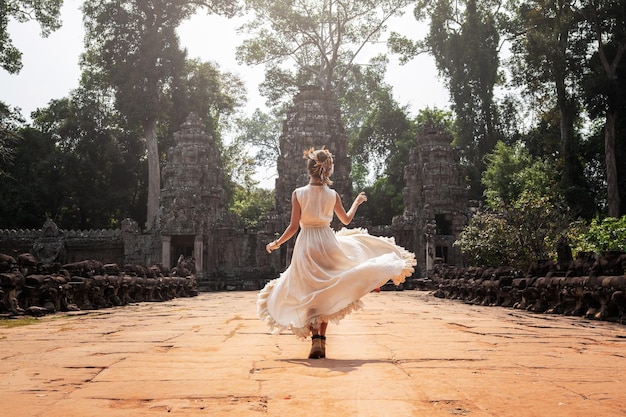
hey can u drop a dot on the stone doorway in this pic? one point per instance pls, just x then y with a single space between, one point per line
182 245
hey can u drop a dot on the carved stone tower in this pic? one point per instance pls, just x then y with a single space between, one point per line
435 197
193 196
314 120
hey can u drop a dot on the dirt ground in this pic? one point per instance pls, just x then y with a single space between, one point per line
406 354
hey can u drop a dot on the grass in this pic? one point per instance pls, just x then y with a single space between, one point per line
22 321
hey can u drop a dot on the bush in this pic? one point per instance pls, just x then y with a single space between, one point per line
602 235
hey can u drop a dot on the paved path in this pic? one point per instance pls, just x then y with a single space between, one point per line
406 354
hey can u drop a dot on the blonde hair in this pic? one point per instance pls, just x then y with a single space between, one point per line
320 164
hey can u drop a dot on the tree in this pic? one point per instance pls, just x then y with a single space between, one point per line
549 51
134 48
46 13
311 42
79 164
208 91
29 192
10 120
464 39
607 20
603 235
512 171
524 217
261 131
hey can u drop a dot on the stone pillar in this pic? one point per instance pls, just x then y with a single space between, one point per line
198 252
430 246
166 251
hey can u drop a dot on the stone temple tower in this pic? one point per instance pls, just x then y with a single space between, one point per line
314 120
435 197
193 198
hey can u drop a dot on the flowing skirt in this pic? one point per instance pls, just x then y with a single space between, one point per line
328 275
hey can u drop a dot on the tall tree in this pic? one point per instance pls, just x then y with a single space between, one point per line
607 20
313 42
134 46
464 39
10 120
549 51
46 13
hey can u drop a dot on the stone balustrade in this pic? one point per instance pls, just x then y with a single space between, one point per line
29 286
592 286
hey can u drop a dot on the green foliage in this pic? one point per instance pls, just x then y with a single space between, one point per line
525 217
30 191
320 38
518 235
511 171
464 40
10 120
46 13
134 45
77 165
252 204
603 235
384 201
487 240
385 124
261 131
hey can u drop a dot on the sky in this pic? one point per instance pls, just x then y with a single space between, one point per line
51 68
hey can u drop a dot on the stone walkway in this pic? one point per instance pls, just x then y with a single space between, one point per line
406 354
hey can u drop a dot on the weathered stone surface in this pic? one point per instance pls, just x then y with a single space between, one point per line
435 200
406 354
28 286
545 288
313 120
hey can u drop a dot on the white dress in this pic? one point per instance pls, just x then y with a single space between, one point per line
329 272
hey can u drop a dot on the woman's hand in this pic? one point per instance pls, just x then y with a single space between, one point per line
272 246
360 199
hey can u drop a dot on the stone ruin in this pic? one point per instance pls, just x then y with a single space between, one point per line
592 286
29 285
314 120
435 200
198 246
194 227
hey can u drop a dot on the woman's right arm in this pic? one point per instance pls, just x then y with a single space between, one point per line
294 224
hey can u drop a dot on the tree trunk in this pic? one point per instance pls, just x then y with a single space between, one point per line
612 191
154 172
568 138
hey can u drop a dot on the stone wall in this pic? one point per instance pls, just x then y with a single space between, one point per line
51 244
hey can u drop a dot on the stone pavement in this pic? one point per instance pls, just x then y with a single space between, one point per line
406 354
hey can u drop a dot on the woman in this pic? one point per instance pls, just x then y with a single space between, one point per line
329 272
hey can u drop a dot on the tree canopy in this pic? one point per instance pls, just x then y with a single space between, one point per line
311 42
46 13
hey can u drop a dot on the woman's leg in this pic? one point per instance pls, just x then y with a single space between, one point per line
318 342
323 327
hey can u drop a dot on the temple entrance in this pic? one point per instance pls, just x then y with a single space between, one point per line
181 245
442 253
